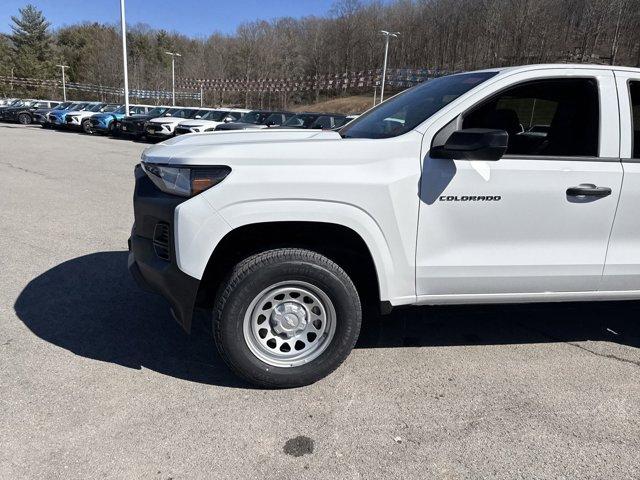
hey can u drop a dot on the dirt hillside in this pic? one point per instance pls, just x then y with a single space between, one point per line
354 105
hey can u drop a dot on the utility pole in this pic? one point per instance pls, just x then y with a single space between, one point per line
64 84
173 75
375 93
386 53
201 93
123 26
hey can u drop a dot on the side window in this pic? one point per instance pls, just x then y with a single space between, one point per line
634 90
558 117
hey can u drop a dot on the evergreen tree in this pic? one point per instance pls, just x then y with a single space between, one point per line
32 50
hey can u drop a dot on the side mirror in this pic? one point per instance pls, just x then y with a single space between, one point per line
473 144
167 114
228 119
197 116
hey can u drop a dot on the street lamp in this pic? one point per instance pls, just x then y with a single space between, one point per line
123 26
173 75
386 52
64 85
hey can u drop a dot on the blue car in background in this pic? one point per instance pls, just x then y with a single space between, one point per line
105 122
58 118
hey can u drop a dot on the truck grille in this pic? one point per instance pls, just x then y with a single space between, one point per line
161 240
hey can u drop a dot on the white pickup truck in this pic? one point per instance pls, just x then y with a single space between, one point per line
506 185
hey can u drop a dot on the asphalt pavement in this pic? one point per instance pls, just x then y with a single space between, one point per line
97 381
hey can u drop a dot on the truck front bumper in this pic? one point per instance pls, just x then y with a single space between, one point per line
152 253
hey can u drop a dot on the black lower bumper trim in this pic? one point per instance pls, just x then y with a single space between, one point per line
151 272
158 276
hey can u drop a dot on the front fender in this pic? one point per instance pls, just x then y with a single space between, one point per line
199 233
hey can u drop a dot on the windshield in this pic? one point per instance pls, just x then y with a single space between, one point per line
156 112
183 113
110 108
121 109
304 121
95 108
257 118
215 115
78 106
63 106
201 114
406 111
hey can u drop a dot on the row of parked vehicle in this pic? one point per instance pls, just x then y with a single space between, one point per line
157 122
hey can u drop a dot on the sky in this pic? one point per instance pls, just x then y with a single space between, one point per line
190 17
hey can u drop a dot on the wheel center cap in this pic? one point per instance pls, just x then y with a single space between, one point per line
288 318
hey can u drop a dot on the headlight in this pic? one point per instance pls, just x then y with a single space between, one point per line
185 181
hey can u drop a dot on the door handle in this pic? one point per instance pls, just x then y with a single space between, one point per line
588 190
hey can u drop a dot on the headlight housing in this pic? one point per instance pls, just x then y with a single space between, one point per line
185 181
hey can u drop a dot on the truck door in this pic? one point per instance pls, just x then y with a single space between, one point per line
538 220
622 269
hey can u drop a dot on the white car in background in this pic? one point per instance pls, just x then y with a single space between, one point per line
80 119
164 127
209 121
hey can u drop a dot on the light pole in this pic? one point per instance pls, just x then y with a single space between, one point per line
173 75
64 84
123 26
386 52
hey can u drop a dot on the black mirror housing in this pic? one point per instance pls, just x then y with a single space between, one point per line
473 144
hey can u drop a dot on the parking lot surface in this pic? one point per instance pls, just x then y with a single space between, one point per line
97 381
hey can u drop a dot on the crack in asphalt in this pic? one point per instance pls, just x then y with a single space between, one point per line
609 356
605 355
10 165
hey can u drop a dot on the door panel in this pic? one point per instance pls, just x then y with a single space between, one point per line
533 239
530 236
622 269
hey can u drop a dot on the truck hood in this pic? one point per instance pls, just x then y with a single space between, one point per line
229 147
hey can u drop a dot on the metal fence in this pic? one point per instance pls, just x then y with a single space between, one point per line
191 88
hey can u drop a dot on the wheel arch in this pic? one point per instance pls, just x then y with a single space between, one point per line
338 242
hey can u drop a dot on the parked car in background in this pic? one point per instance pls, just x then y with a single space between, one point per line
319 121
11 102
134 125
209 121
257 119
7 101
82 120
57 118
40 115
164 127
105 122
22 113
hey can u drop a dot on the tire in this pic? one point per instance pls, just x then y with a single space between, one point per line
86 126
24 119
314 308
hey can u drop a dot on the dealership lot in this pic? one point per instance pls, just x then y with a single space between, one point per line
97 380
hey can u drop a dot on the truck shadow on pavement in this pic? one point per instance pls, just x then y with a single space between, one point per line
90 306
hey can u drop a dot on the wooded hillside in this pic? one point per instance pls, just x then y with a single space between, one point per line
439 34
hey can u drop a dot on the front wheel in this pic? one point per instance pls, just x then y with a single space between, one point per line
24 119
86 126
286 318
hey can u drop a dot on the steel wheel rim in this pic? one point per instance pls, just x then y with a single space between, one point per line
289 324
